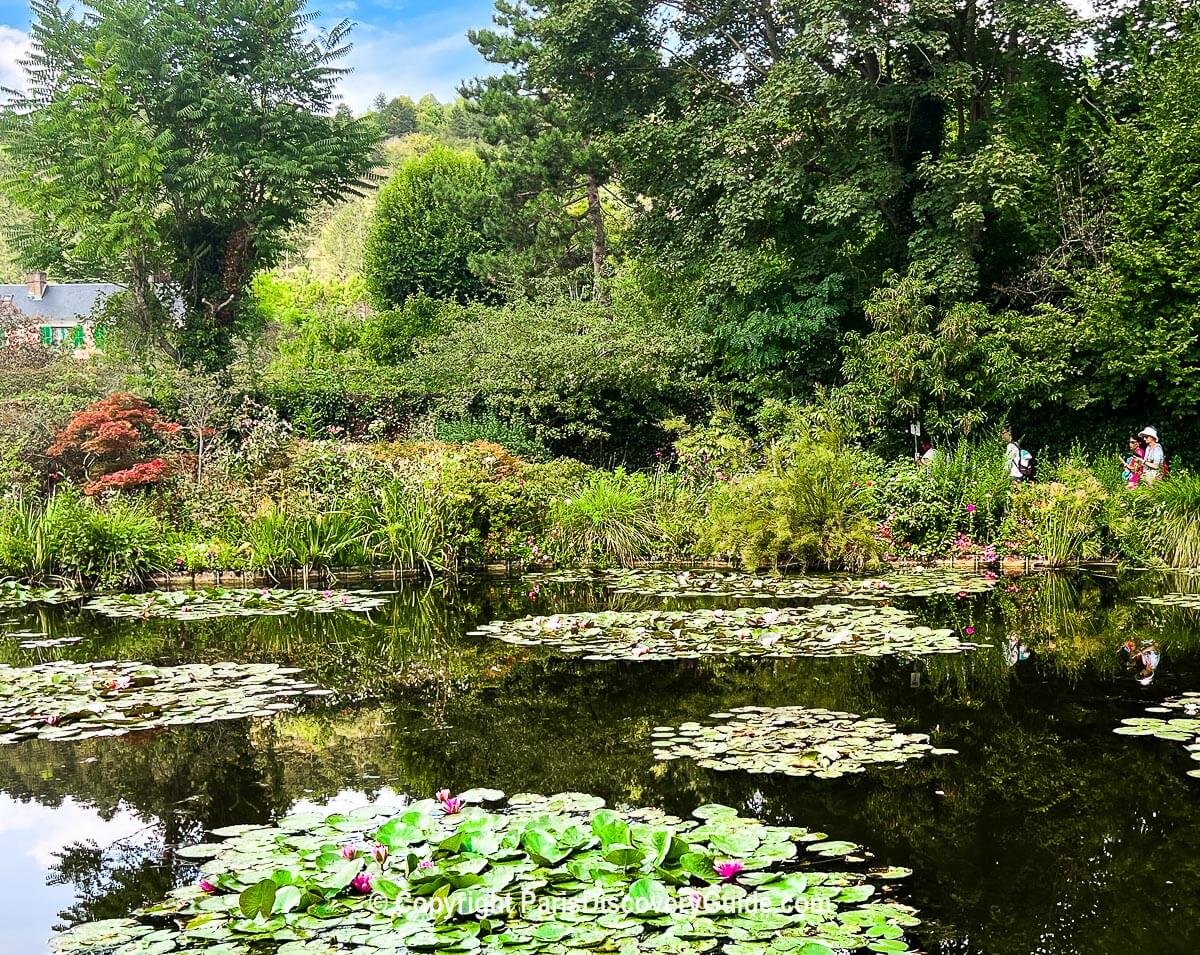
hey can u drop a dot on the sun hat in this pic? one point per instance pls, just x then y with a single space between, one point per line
1148 433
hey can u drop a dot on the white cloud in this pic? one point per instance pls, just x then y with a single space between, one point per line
14 46
407 59
41 831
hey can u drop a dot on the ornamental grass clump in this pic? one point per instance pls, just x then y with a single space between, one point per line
610 518
805 509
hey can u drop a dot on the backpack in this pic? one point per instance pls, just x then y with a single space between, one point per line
1028 467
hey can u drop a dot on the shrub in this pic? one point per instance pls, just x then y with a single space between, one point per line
610 517
805 509
109 441
514 437
1055 520
588 381
422 235
961 495
1169 515
114 545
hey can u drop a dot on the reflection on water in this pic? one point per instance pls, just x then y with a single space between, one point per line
1047 833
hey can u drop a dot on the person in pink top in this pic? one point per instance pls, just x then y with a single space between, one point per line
1133 462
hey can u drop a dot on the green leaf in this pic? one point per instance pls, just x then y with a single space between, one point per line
259 899
648 897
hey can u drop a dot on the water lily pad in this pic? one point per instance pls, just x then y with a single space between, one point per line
221 602
826 630
68 701
1184 728
918 582
791 740
16 594
677 890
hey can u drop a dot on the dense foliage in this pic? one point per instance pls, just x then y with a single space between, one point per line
158 138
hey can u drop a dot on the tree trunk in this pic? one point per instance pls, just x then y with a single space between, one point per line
595 216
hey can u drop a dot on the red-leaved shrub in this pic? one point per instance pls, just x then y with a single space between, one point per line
108 444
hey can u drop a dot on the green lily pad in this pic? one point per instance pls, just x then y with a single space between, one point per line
919 582
791 740
826 630
1184 728
64 700
220 602
546 888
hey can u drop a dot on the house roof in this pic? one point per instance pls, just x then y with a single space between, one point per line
61 302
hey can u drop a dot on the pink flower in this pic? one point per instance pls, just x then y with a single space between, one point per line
206 886
326 593
361 884
970 631
970 508
442 795
961 594
379 852
695 899
425 864
349 852
728 871
452 806
51 720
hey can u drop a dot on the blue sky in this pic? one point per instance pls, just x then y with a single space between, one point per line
400 46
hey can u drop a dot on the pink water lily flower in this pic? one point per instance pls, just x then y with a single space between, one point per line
442 795
770 617
695 899
728 871
425 864
349 852
379 852
326 594
206 886
452 806
361 884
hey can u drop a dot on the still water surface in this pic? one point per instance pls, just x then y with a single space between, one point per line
1047 833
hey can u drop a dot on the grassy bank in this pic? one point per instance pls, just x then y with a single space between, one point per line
794 499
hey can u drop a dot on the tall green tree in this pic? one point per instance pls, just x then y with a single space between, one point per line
159 137
552 150
789 156
425 229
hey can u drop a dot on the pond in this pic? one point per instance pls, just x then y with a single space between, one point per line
1044 831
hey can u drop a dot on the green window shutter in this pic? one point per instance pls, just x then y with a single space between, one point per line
77 336
47 335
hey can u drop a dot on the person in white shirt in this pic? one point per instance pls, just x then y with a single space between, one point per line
1012 456
1154 462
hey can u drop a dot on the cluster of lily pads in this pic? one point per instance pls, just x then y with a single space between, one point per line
1180 729
542 876
923 582
1183 601
791 740
222 602
826 630
68 701
13 593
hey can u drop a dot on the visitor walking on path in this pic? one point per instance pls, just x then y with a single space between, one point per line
1132 473
1012 456
1154 461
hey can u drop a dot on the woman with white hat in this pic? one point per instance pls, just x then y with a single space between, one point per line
1153 462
